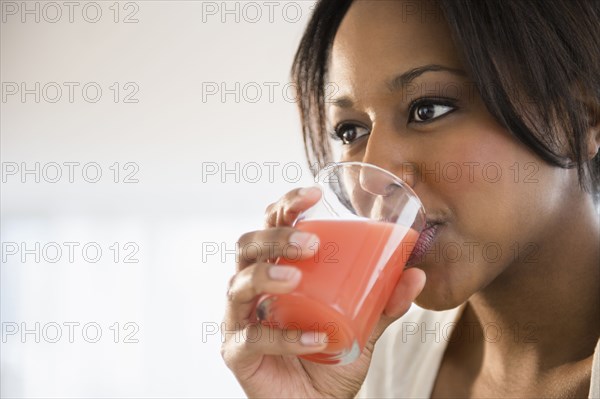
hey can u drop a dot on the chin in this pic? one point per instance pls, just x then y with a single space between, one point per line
437 303
443 290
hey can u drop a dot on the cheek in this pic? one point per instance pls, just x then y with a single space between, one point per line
491 183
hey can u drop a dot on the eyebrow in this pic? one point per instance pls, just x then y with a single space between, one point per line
402 80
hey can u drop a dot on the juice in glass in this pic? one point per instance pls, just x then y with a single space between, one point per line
345 284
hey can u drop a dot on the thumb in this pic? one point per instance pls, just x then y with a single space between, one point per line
409 286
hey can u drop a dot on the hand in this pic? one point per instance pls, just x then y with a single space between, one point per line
262 359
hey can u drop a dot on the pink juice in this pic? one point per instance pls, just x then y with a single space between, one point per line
346 282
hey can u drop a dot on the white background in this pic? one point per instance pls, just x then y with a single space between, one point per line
173 135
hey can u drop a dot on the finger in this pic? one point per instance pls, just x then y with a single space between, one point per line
270 244
242 351
260 278
409 286
285 211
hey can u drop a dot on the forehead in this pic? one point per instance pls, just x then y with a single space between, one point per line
378 39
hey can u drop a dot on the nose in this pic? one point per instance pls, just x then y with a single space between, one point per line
388 153
381 196
376 183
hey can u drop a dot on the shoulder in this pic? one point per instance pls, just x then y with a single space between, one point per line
408 354
595 381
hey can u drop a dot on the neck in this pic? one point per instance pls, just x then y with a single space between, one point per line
543 311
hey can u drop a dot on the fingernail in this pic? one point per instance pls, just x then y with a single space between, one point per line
283 273
308 191
304 240
312 338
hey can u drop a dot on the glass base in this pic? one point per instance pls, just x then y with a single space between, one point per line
341 358
297 312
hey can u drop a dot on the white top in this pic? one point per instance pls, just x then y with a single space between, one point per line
408 355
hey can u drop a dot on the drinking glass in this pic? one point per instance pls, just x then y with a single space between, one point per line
368 221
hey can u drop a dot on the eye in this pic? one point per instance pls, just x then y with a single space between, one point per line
426 110
348 132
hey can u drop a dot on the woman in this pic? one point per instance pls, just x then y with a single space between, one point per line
490 110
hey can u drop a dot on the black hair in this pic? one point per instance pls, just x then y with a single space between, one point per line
539 56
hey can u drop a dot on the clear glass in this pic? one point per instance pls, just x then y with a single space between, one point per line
368 221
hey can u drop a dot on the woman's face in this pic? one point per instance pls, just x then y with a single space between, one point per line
404 102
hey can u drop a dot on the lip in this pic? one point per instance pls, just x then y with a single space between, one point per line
424 243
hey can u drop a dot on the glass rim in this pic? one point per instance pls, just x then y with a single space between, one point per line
401 182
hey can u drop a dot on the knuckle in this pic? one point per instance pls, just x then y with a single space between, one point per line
290 195
232 294
280 215
246 237
231 288
223 352
278 240
279 232
243 287
252 336
249 251
229 292
257 276
228 356
269 212
274 213
230 282
270 207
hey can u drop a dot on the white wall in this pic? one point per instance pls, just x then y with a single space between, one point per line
171 137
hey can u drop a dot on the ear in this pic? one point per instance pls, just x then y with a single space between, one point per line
593 134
